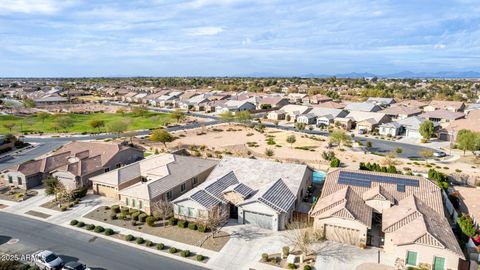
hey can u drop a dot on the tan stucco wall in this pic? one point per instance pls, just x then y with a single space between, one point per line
425 254
319 225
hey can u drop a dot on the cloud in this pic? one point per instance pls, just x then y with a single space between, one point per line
439 46
204 31
32 6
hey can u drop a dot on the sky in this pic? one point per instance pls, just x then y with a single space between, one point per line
75 38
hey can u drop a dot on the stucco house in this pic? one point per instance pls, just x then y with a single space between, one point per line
259 192
235 106
442 116
453 106
74 164
367 121
318 112
401 112
159 177
402 214
362 107
390 129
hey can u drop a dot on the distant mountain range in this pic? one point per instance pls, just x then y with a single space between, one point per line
403 74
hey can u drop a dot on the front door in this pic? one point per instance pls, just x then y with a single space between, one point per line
233 211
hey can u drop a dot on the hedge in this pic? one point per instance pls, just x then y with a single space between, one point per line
182 223
80 224
172 250
115 209
148 243
142 217
172 221
185 253
74 222
160 246
109 231
140 240
99 229
201 228
200 258
129 237
90 227
307 267
192 226
150 221
135 215
79 192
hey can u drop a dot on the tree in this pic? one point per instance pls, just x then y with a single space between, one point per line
139 111
226 116
178 115
216 217
468 140
301 237
300 126
97 124
64 122
118 127
161 135
426 153
53 187
340 137
243 117
42 116
291 140
162 209
9 126
427 129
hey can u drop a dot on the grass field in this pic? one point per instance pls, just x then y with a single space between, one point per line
81 122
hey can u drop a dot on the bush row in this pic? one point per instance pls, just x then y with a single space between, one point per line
92 227
161 246
185 224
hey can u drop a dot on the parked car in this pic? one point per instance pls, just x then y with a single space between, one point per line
75 266
439 154
45 259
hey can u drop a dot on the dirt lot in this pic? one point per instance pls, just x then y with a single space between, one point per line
16 194
174 233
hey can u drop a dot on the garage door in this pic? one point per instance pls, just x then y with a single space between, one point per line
342 234
258 219
107 191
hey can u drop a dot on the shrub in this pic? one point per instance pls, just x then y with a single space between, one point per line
185 253
132 210
113 216
124 211
149 243
135 215
335 163
265 257
172 221
192 226
142 217
201 228
115 209
129 237
200 258
80 224
140 240
109 231
63 208
99 229
285 251
160 246
122 216
150 221
292 266
182 223
172 250
90 227
79 192
74 222
307 267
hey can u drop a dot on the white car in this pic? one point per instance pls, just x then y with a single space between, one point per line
75 266
48 260
439 154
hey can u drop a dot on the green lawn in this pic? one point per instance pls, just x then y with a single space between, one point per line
81 122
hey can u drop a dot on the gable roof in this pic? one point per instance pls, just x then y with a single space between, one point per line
443 114
362 107
401 110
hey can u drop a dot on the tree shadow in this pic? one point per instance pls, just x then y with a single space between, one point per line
248 234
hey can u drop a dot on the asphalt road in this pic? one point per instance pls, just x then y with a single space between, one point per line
97 253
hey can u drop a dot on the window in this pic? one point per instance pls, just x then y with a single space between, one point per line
191 212
169 195
126 201
10 179
141 204
107 169
439 263
19 179
411 258
134 203
182 187
118 165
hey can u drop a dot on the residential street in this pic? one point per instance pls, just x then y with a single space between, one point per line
97 253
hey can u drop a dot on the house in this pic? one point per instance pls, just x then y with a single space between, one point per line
401 112
235 106
411 126
259 192
390 129
384 102
411 103
471 122
316 99
276 115
453 106
326 115
368 121
197 102
50 99
296 97
442 116
344 123
402 214
160 177
331 105
272 103
293 111
362 107
73 164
